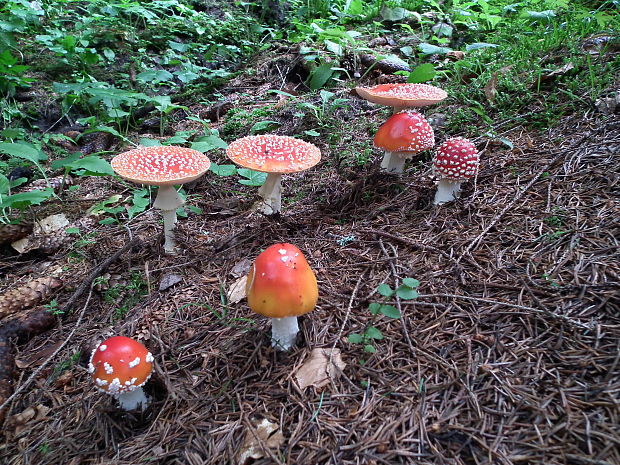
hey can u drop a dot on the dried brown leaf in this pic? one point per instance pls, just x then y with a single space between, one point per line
262 435
317 369
236 292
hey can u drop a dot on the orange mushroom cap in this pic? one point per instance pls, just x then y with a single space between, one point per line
457 158
281 283
120 364
407 131
273 154
403 95
161 165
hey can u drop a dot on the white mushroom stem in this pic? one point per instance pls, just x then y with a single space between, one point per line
168 200
394 162
131 400
447 191
271 192
283 332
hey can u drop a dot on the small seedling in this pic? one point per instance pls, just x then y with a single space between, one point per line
53 308
406 291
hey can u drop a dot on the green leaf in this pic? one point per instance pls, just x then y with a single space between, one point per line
22 150
430 49
410 282
210 142
320 76
390 311
146 142
385 290
194 209
26 199
369 349
355 338
92 165
374 308
254 178
4 184
443 30
406 293
394 14
72 230
373 333
223 170
140 202
108 221
479 45
422 73
155 76
312 133
263 126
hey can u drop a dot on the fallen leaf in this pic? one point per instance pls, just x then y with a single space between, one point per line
241 268
455 55
169 280
555 73
261 436
316 372
21 420
236 292
28 359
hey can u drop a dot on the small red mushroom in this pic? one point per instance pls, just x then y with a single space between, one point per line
120 367
274 155
281 285
162 166
402 136
456 160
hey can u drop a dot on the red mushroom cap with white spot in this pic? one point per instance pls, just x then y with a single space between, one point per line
119 365
161 165
281 283
273 154
403 95
407 131
456 159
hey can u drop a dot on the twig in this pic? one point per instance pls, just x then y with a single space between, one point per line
346 317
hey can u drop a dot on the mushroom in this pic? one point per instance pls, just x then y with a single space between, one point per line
402 136
162 166
456 160
401 96
282 286
120 367
274 155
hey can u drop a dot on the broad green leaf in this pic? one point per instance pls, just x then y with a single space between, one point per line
254 178
385 290
406 293
355 338
223 170
92 165
479 45
373 333
390 311
4 184
374 308
410 282
140 202
431 49
320 76
22 150
333 47
210 142
394 14
369 348
263 126
146 142
312 133
26 199
422 73
155 76
442 30
72 230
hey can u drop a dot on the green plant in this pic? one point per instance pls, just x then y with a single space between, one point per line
371 334
53 308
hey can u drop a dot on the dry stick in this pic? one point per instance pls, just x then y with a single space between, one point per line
346 318
65 311
517 197
552 315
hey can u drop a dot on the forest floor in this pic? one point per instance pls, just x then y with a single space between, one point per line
509 355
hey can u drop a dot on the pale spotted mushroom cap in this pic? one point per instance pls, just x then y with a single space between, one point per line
456 159
273 154
403 95
407 131
161 165
119 365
